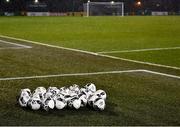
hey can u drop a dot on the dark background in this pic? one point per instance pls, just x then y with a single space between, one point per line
77 5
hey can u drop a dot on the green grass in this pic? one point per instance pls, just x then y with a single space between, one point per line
164 57
97 33
133 98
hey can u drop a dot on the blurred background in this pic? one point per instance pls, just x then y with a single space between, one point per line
75 7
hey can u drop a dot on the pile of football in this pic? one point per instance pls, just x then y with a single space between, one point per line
64 97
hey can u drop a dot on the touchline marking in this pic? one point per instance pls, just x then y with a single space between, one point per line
88 74
92 53
139 50
19 45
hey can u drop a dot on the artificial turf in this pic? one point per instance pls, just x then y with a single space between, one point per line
133 98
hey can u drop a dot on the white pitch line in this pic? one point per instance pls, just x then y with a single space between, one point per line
88 74
20 45
162 74
140 62
68 75
12 48
92 53
139 50
48 45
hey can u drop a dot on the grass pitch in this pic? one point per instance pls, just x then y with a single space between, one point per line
99 34
137 98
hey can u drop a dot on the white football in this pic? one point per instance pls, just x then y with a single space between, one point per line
48 103
60 104
23 100
91 87
76 103
34 104
50 89
25 92
87 92
53 90
48 95
75 88
41 90
99 104
51 104
62 89
91 100
101 93
83 100
25 96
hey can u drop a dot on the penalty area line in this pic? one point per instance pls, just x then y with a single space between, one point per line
69 75
88 74
138 50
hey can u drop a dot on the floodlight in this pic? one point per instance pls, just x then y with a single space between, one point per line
89 1
139 3
112 2
36 1
7 0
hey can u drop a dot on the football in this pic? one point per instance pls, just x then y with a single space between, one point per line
73 97
99 104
